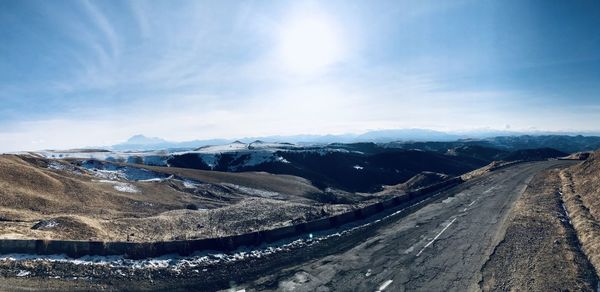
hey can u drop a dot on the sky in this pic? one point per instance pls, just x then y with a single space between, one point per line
87 73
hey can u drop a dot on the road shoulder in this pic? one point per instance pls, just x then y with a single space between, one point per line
540 250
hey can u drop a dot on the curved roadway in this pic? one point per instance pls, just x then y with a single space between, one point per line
440 247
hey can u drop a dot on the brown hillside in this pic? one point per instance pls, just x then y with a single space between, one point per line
55 199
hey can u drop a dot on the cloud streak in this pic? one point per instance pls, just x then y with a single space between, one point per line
99 71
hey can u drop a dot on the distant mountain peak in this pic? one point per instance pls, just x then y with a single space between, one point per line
143 140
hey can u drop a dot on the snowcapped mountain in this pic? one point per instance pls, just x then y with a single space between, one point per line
143 143
143 140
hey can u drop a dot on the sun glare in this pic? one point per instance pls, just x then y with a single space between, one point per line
309 44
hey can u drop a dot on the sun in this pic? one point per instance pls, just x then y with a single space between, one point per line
309 44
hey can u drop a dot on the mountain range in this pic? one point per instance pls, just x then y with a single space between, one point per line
564 141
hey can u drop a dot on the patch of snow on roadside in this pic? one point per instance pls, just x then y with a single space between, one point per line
448 200
23 273
198 259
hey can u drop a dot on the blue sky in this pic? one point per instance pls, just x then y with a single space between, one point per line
81 73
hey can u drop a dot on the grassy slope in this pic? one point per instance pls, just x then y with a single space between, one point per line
581 192
86 208
287 184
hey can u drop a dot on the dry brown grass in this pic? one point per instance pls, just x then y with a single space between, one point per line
416 182
581 193
540 250
288 184
249 215
483 170
85 208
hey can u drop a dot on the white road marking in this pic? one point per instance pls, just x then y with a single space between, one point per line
384 285
471 203
489 190
436 237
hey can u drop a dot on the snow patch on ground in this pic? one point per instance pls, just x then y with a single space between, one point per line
154 180
235 146
55 165
108 174
243 158
126 188
107 170
448 200
121 186
254 192
158 158
45 224
204 260
210 159
188 184
23 273
281 159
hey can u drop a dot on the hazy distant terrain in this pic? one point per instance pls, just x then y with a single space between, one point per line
410 138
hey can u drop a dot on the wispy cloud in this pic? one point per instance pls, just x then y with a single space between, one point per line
103 24
98 71
139 12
